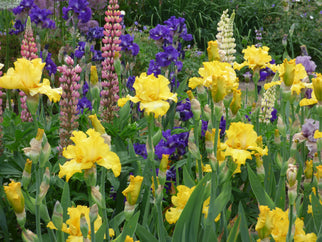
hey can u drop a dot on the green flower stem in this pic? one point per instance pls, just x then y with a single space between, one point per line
38 202
102 186
158 198
196 133
256 79
289 233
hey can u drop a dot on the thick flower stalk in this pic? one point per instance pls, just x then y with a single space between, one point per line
267 105
1 111
28 51
111 42
225 40
69 82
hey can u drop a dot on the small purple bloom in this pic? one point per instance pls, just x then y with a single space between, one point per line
161 32
222 126
39 16
184 109
18 27
127 44
204 127
308 64
274 115
85 88
154 68
95 33
130 82
309 127
140 149
80 8
84 103
165 58
80 51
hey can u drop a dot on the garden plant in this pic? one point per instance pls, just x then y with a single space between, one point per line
162 120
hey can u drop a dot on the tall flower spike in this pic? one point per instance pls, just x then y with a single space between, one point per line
28 51
69 81
267 105
225 40
111 42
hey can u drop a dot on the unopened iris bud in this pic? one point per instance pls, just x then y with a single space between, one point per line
16 200
308 172
235 104
132 192
29 236
45 151
97 124
32 103
93 213
192 147
90 176
291 175
94 76
195 108
44 186
83 225
207 112
57 217
190 95
277 138
288 72
97 196
164 163
317 87
26 174
33 152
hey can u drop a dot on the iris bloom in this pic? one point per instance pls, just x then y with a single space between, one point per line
132 192
152 93
300 235
280 223
15 197
173 214
26 76
72 225
291 74
255 58
264 224
89 149
212 49
242 143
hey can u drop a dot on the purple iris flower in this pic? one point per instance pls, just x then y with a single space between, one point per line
184 109
161 32
130 82
165 58
80 8
308 93
24 5
309 127
308 64
173 145
18 27
50 66
97 54
140 149
40 16
154 68
204 127
266 72
84 103
85 88
127 44
95 33
222 126
274 115
80 51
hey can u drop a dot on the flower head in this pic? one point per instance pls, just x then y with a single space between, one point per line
14 196
132 192
300 234
152 93
242 143
264 224
255 58
317 86
212 49
179 201
89 149
26 76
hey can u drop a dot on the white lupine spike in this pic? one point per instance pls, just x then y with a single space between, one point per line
267 105
225 40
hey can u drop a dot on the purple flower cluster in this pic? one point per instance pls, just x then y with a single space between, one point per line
18 27
84 103
80 8
129 83
266 72
184 109
308 64
127 44
309 127
173 145
169 37
140 149
50 66
37 15
95 33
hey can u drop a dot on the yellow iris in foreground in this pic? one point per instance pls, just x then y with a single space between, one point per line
72 225
242 143
132 192
264 224
173 214
300 234
152 93
212 49
89 149
255 58
14 196
26 76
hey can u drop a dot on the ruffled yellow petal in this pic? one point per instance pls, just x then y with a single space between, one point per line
271 84
97 124
239 157
308 102
51 225
195 82
317 134
44 88
159 108
71 167
172 215
111 161
122 101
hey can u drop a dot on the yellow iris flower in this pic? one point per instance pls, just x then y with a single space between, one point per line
26 76
255 58
72 225
179 201
212 49
14 196
300 235
132 192
317 86
242 143
152 93
205 208
264 224
89 149
280 224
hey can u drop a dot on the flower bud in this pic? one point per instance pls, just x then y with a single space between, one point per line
26 174
288 72
90 176
317 87
192 147
97 196
29 236
83 225
291 175
32 103
57 217
277 138
45 151
35 147
132 192
235 105
207 112
97 124
195 108
44 186
93 213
